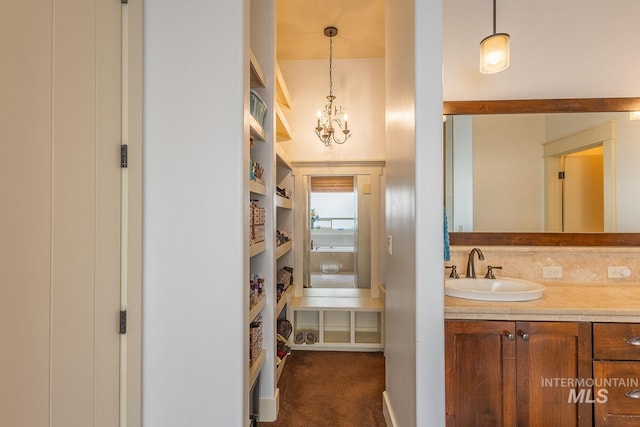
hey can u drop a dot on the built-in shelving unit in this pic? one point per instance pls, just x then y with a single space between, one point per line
284 222
339 323
270 241
260 204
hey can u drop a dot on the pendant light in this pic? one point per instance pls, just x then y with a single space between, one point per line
494 50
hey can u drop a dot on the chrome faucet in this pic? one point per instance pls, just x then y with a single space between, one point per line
471 268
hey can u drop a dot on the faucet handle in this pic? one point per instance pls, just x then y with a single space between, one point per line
454 272
490 274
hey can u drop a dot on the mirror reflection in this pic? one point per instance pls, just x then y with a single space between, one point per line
574 172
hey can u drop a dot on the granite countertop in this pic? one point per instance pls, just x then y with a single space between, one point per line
560 301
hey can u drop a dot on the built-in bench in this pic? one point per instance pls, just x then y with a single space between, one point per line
340 319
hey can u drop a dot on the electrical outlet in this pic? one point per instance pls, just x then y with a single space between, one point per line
554 272
390 245
618 272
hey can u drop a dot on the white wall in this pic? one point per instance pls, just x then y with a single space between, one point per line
358 85
559 49
194 331
429 227
414 310
506 178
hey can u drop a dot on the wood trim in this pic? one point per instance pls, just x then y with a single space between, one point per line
530 106
544 239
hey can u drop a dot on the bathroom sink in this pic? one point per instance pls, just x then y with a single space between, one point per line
499 289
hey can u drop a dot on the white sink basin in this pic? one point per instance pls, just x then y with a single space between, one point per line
499 289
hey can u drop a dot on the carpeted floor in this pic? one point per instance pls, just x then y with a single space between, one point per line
331 388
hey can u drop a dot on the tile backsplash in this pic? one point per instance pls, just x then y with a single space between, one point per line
579 264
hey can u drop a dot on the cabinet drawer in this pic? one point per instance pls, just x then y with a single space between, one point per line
616 341
616 393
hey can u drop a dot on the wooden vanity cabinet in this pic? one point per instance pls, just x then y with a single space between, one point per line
495 372
616 373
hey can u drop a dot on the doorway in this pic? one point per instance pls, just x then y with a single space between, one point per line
337 223
333 233
583 191
580 181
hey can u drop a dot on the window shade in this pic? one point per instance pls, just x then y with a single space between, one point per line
332 184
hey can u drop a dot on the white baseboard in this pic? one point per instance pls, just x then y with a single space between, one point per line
269 407
387 410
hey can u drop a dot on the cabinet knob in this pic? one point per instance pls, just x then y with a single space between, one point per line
508 334
523 335
633 394
634 341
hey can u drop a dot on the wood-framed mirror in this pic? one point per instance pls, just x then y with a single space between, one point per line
529 106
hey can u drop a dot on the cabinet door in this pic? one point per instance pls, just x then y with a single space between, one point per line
550 356
480 373
616 393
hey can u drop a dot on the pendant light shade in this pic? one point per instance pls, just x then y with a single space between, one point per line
494 50
494 53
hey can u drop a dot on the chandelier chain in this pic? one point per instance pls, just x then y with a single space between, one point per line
330 66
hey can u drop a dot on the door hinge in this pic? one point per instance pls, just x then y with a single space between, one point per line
561 175
123 322
123 156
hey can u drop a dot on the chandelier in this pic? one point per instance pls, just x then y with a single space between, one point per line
332 118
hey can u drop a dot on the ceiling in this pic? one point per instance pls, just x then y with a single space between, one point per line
301 23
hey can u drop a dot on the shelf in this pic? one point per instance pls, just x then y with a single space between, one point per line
283 301
335 337
257 188
256 366
347 325
257 76
283 131
257 248
282 92
368 337
282 159
280 367
256 309
284 203
256 129
283 249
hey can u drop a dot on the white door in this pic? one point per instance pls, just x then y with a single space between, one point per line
61 213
